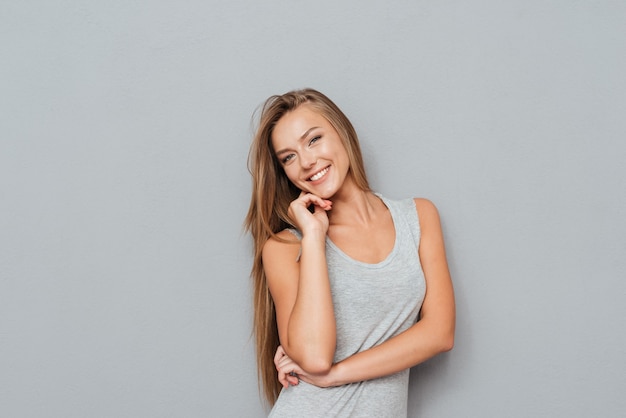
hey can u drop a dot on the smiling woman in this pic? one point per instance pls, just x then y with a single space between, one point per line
307 158
340 272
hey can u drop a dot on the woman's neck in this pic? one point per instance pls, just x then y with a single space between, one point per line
354 206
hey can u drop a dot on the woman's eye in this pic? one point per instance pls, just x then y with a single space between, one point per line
314 140
287 158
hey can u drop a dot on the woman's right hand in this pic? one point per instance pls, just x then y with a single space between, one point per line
287 369
290 373
304 219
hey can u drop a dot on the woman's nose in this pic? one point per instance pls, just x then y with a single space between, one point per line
307 159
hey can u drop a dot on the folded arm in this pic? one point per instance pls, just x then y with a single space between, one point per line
431 335
297 277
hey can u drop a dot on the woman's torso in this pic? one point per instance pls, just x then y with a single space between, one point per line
372 302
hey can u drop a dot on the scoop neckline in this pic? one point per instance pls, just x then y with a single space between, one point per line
389 256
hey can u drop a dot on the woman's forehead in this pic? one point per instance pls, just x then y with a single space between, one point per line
296 124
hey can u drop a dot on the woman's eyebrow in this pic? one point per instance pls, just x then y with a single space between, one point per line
304 135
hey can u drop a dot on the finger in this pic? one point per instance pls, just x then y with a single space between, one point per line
286 374
306 199
286 364
317 209
293 379
287 379
282 378
288 371
280 353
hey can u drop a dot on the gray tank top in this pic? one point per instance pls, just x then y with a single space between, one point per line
373 302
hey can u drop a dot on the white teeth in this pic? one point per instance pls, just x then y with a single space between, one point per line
319 175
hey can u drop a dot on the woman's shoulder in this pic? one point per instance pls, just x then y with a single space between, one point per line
424 205
281 254
427 213
424 208
282 243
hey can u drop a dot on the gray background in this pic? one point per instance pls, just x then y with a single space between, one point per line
124 129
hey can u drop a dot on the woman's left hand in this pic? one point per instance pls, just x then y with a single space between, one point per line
290 373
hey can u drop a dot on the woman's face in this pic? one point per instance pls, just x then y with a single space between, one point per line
311 152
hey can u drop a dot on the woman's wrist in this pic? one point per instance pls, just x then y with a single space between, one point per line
314 236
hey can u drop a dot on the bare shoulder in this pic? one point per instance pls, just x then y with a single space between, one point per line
284 240
427 212
281 250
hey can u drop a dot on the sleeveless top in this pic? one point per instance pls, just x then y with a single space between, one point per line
372 302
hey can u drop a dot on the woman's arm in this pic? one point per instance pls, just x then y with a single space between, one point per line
301 289
433 334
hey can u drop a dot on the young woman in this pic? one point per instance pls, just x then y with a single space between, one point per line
350 289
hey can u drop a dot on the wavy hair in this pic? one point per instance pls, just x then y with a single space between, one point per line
272 192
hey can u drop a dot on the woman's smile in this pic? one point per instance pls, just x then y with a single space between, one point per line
311 152
319 174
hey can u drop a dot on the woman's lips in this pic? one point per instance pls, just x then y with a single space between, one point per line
319 174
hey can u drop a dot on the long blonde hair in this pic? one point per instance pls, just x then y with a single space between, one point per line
272 192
